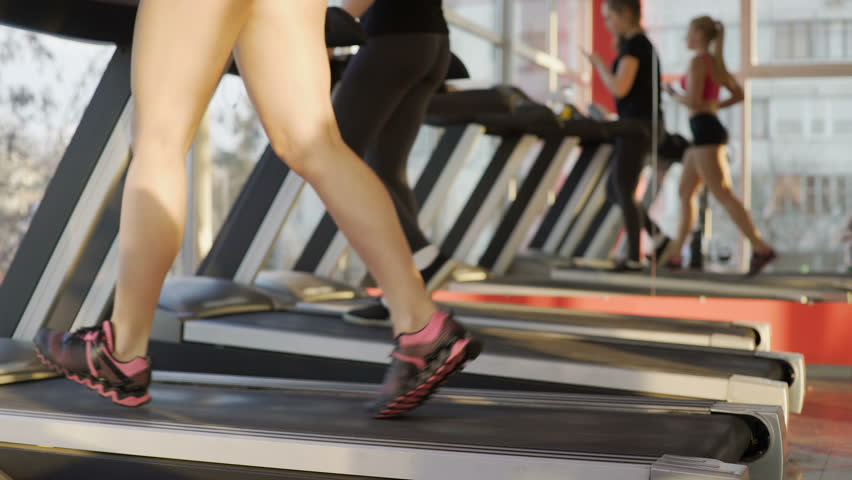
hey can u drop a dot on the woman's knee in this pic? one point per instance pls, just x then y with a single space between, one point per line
308 152
160 142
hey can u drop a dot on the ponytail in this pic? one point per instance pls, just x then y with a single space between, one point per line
721 75
714 32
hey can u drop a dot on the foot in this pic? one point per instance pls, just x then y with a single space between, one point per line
422 362
760 259
375 315
674 264
86 356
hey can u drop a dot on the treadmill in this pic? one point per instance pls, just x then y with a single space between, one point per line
575 224
65 270
228 427
61 276
579 223
223 307
487 112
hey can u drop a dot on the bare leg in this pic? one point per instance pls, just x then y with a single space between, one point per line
713 167
282 58
689 183
178 58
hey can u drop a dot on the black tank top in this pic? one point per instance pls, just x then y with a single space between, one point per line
404 16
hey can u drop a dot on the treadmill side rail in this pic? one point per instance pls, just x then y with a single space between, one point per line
771 463
761 391
311 453
737 342
796 361
764 331
672 467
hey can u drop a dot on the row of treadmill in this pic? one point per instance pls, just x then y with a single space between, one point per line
256 375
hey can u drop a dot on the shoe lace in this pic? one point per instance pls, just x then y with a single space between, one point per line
90 334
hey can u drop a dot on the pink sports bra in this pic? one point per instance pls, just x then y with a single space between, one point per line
711 88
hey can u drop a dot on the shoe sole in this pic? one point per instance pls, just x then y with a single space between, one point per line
91 384
461 352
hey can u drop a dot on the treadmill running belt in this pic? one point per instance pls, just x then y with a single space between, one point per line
593 319
659 357
468 423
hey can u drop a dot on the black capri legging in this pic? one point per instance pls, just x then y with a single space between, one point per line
632 144
381 103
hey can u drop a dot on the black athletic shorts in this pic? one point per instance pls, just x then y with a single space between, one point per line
707 130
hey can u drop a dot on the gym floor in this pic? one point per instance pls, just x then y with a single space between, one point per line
821 437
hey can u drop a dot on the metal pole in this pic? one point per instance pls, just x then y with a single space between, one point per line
508 72
747 61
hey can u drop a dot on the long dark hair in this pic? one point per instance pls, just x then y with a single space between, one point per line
634 7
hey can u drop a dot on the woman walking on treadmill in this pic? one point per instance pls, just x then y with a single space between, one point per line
180 50
634 80
381 103
706 161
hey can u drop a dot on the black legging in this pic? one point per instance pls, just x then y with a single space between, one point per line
631 147
381 103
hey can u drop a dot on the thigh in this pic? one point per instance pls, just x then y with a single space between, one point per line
178 60
283 60
690 179
712 166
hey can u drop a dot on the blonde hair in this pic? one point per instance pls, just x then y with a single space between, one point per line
714 32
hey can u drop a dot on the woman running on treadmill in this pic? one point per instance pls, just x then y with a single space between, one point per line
180 49
706 161
634 80
381 102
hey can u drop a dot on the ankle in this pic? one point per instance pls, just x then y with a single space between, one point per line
128 353
412 323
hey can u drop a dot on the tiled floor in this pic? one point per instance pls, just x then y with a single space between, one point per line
820 438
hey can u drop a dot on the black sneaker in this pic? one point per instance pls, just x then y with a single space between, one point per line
85 356
375 315
422 362
759 261
662 242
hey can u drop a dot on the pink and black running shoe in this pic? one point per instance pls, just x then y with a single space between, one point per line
85 356
422 362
